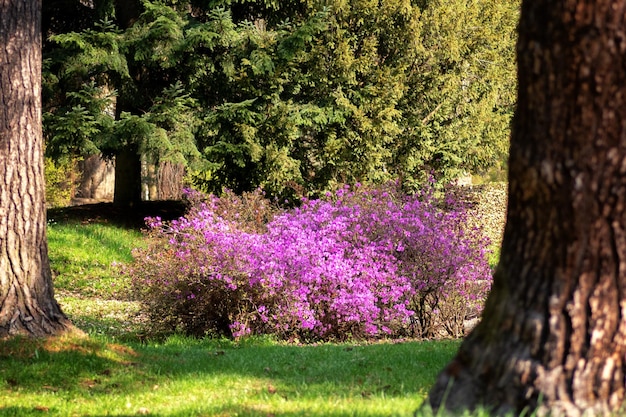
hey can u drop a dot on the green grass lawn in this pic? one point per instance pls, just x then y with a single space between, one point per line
85 258
114 372
185 377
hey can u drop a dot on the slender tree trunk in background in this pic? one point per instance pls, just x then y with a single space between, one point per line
127 177
27 304
127 160
170 179
554 327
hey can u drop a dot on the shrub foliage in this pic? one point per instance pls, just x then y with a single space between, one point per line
359 263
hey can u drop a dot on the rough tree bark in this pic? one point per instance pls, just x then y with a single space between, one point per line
27 304
553 330
554 326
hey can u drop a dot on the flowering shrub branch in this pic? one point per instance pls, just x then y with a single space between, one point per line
359 263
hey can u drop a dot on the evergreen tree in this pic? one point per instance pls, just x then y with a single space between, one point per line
298 95
147 114
460 92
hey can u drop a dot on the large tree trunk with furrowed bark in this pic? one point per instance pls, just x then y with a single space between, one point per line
27 304
553 333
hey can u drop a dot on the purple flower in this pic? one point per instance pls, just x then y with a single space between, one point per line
359 262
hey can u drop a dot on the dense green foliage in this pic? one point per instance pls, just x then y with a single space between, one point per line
295 97
59 181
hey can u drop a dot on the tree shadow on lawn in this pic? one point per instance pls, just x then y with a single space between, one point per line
263 372
109 213
382 363
66 363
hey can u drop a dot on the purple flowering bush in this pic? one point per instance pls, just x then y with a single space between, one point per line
193 275
359 263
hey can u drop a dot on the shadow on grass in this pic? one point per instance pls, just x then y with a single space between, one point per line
261 372
109 213
393 368
65 364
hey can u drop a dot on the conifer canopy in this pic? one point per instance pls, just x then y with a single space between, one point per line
290 95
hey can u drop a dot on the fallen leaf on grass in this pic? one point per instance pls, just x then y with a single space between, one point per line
42 408
90 383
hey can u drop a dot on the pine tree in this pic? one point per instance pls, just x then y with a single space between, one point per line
290 95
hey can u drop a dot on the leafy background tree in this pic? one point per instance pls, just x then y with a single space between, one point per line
461 94
295 97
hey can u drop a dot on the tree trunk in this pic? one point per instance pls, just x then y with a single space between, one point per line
97 180
170 180
553 330
27 304
127 177
127 160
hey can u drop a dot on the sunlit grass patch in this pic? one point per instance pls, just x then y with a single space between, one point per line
118 319
190 377
86 258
